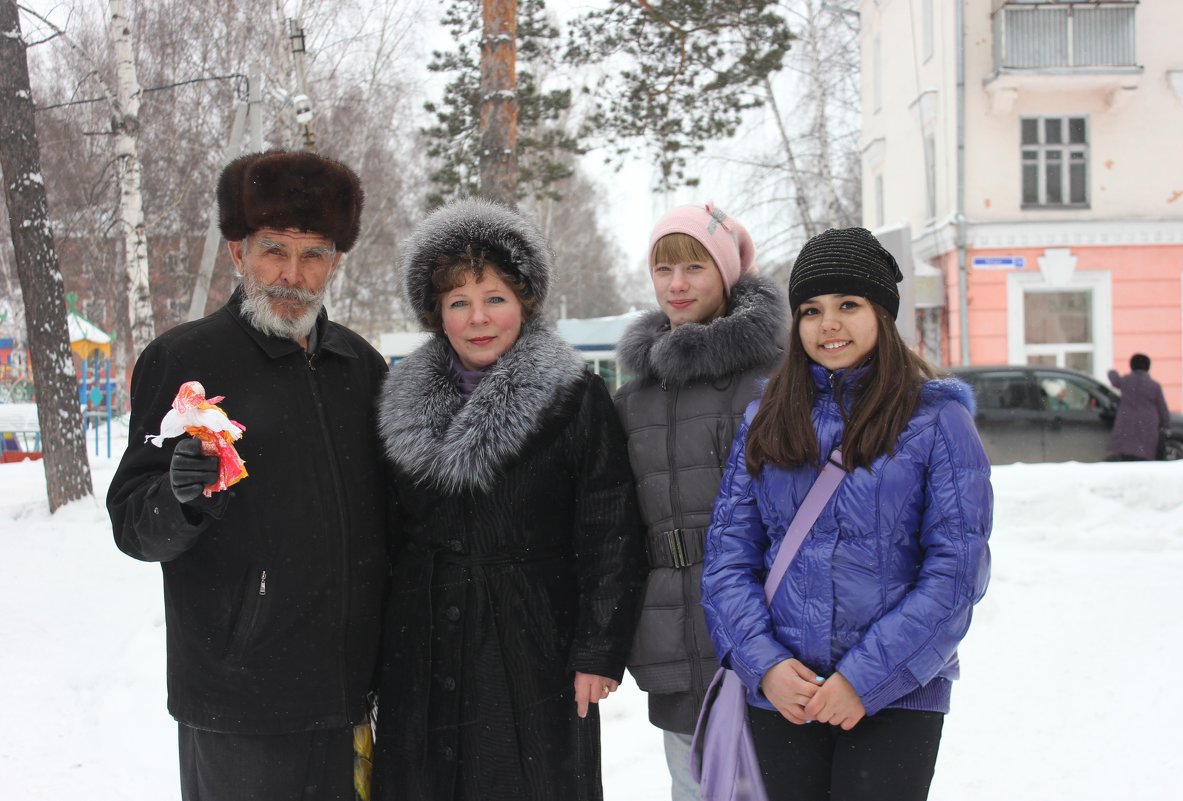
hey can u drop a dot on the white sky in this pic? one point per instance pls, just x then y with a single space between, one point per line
630 207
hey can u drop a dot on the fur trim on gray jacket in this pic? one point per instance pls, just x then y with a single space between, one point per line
431 434
752 333
452 228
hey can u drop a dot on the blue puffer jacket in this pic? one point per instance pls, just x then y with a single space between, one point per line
882 588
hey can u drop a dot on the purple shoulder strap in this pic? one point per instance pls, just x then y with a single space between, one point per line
815 500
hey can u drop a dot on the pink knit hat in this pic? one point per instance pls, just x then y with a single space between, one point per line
728 242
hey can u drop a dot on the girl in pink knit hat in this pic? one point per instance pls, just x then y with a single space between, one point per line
696 254
695 363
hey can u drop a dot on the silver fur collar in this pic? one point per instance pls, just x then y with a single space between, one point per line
753 333
432 436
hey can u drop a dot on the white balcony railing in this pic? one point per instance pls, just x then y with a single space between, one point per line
1064 35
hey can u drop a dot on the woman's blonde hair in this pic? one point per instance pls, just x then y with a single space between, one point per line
678 248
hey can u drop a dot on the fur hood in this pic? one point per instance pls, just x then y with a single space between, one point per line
940 390
751 334
430 434
452 228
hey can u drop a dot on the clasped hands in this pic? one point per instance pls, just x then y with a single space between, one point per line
801 696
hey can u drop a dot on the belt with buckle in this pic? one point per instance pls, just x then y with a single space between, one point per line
677 548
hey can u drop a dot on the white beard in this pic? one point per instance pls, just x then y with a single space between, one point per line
257 310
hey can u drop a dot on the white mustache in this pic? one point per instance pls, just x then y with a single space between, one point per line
289 293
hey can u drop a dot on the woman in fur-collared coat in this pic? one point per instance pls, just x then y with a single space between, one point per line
517 552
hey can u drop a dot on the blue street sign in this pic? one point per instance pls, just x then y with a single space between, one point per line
999 262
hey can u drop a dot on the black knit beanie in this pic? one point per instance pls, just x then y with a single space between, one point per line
846 261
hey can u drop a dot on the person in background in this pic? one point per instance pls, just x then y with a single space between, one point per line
696 363
1142 415
850 669
517 555
273 587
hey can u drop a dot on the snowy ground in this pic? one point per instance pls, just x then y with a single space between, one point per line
1070 672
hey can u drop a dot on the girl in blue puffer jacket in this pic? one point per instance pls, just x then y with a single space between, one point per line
860 641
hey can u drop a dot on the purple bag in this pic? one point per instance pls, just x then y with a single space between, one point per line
722 753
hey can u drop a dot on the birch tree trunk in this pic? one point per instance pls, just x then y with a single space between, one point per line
126 126
499 101
820 77
817 120
67 472
801 186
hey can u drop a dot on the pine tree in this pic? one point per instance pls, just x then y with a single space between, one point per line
454 141
684 73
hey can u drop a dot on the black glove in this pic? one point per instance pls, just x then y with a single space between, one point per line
190 472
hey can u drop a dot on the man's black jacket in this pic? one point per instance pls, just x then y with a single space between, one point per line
273 588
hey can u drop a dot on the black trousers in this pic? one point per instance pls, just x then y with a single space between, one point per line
306 766
887 757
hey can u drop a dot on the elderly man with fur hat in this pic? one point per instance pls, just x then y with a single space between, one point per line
273 587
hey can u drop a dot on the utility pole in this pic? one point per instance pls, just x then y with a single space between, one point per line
960 240
300 100
246 118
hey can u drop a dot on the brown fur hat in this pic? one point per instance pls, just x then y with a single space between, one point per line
290 189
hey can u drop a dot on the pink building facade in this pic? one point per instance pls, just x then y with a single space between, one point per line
1033 149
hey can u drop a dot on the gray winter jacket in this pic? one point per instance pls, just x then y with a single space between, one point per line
680 411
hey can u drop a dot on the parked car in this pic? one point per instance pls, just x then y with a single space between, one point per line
1029 413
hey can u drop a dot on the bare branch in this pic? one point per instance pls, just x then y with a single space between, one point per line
80 50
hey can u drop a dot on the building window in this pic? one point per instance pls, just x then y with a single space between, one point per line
879 210
876 76
1060 316
1058 329
930 176
1055 162
926 40
604 365
606 369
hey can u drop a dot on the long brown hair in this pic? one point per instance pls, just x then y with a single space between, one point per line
885 399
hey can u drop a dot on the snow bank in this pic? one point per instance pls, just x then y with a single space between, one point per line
1069 687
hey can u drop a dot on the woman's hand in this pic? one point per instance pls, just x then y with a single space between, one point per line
592 689
836 703
790 685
